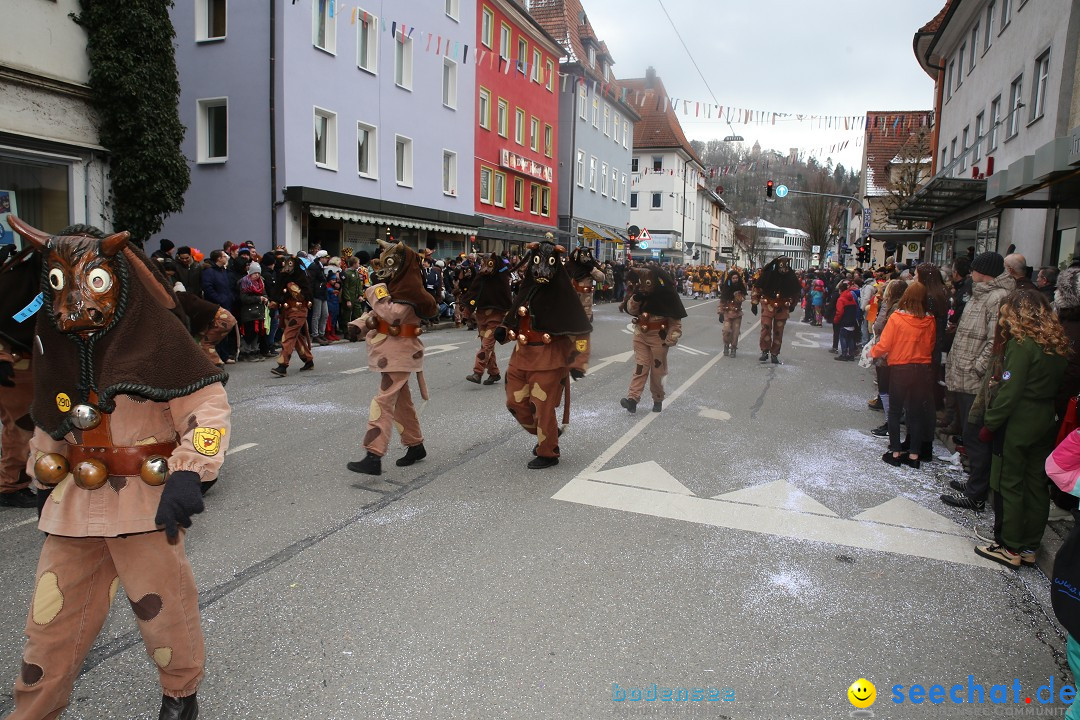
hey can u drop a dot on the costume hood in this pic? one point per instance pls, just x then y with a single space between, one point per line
548 294
661 297
406 278
491 290
581 263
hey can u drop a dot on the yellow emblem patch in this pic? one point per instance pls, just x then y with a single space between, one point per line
63 402
581 345
207 441
381 292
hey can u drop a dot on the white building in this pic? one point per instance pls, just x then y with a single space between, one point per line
769 241
53 171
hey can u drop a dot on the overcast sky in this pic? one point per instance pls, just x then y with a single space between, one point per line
823 57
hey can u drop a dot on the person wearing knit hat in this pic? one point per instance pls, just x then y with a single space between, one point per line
253 303
970 359
253 268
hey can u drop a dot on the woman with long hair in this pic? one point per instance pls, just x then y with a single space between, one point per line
907 343
889 300
1021 427
937 305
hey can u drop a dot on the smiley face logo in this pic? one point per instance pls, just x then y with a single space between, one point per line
63 402
862 693
207 441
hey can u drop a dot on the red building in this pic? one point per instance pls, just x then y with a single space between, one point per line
517 116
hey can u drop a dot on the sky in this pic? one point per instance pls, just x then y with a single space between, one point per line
810 57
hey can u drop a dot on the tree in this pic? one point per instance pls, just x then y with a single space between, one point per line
819 213
136 90
904 175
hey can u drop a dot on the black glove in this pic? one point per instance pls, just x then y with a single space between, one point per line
42 497
181 498
500 334
753 308
7 374
576 373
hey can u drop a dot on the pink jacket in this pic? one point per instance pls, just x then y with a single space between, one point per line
1063 465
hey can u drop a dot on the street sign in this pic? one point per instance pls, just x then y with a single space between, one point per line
642 245
644 235
815 258
781 191
816 249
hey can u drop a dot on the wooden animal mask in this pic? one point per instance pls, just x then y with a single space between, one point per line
543 260
392 261
490 264
583 255
645 280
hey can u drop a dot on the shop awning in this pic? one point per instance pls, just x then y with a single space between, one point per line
939 198
517 231
357 216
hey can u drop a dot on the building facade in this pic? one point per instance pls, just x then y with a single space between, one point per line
53 170
515 170
765 242
322 130
665 175
595 132
1005 77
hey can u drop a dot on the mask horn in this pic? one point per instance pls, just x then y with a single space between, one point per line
114 243
383 244
36 237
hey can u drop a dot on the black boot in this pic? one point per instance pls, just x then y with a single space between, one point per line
308 365
414 453
280 370
733 349
473 378
185 708
776 360
370 465
492 379
629 404
658 406
539 462
764 356
727 349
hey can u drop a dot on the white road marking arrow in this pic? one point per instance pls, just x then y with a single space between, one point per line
620 358
436 349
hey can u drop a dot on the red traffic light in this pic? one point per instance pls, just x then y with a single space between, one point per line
769 188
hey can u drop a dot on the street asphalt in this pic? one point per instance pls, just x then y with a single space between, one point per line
746 540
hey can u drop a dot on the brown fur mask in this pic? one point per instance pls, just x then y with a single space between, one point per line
399 268
658 287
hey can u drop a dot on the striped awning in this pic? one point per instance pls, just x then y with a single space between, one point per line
357 216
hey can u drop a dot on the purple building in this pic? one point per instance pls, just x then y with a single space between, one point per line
321 121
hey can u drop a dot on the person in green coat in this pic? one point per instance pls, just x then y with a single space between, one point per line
353 284
1021 426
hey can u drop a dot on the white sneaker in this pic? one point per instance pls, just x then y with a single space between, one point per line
1057 513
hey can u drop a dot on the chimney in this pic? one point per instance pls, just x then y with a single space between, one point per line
650 77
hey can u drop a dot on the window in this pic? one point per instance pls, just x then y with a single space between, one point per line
980 125
325 139
534 135
367 41
1006 13
403 50
487 26
595 113
582 102
616 131
449 84
633 165
504 42
964 144
212 130
545 201
1038 92
592 174
625 132
657 200
1016 92
449 172
550 75
534 199
949 79
549 140
452 9
523 55
403 160
988 36
995 121
210 19
952 151
607 119
535 69
485 185
614 184
366 151
483 112
592 56
658 163
503 118
603 179
633 201
500 189
624 188
324 25
519 193
960 65
974 47
519 126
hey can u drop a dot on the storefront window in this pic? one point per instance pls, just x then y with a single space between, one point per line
38 192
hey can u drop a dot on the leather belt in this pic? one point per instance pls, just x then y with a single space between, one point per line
652 325
123 461
582 288
398 330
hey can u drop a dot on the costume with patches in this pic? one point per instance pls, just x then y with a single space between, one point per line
547 319
294 301
732 295
489 299
463 280
584 273
209 323
398 303
20 276
120 449
658 312
776 291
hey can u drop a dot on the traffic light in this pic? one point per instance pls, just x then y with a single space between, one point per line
769 188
